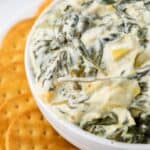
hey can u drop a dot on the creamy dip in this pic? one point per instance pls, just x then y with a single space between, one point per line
91 63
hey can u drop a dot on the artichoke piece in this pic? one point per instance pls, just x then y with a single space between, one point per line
119 53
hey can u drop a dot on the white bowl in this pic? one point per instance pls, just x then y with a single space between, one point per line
75 135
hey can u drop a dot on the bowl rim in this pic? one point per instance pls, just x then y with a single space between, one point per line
80 132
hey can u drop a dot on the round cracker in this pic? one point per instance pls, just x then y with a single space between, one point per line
13 68
7 57
31 131
12 81
16 37
13 89
43 6
10 109
14 77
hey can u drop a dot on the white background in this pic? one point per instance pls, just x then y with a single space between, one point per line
12 11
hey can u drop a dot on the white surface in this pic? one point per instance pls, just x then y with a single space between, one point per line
75 135
13 10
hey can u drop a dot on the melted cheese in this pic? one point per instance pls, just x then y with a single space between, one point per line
115 95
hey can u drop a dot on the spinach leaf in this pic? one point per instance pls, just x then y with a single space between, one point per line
142 35
147 4
107 1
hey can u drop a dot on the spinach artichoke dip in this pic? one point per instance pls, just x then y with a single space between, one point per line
91 64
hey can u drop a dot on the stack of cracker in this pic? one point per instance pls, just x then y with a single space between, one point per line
22 126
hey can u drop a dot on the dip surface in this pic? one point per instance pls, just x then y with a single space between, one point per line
91 63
